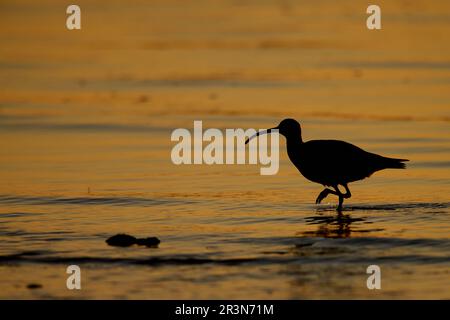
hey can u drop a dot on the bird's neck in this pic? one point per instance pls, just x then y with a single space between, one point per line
294 144
294 150
294 140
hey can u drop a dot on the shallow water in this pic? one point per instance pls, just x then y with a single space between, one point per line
85 124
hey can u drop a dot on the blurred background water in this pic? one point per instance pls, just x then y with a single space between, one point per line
85 124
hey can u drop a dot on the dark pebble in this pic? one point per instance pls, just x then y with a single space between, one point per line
149 242
125 240
121 240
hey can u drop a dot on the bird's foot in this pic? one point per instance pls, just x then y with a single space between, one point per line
322 196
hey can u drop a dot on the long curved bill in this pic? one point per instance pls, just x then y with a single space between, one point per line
260 133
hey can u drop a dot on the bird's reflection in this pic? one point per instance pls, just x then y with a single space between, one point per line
334 226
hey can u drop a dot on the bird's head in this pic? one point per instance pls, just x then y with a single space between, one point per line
287 127
290 128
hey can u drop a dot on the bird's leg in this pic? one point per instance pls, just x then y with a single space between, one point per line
342 196
347 194
325 192
341 201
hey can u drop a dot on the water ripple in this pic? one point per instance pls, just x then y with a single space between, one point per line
111 201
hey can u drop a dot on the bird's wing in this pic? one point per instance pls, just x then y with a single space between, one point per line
339 160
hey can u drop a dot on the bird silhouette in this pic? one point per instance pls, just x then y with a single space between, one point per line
330 162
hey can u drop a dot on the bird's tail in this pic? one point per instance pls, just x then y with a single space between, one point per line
394 163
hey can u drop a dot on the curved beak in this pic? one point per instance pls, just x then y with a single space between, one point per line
260 133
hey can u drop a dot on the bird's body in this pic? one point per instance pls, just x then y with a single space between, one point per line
331 162
340 162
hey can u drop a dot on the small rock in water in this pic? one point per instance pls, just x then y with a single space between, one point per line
125 240
149 242
121 240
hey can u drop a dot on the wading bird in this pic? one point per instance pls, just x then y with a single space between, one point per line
330 162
